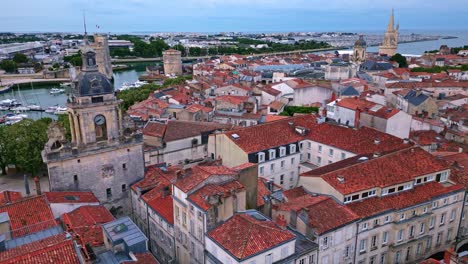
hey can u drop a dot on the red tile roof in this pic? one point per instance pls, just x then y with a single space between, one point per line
176 130
236 100
29 215
9 197
271 118
192 177
85 223
154 129
155 176
426 137
163 206
355 103
277 133
322 216
55 249
270 90
243 236
200 197
387 170
294 193
197 107
420 194
143 258
71 197
297 203
433 84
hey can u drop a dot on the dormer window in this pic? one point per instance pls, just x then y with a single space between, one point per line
272 154
261 157
282 151
292 148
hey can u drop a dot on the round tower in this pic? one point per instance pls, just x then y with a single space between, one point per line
172 62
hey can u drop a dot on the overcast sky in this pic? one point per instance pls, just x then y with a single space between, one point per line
229 15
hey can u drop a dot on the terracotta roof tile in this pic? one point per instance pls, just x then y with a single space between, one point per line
162 204
70 197
232 99
243 236
154 129
271 118
55 249
199 198
155 176
9 197
197 107
277 133
322 216
29 215
196 175
420 194
426 137
297 203
85 223
391 169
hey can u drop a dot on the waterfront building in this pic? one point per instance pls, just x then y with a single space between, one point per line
100 157
390 42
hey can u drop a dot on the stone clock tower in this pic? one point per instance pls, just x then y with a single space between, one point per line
100 157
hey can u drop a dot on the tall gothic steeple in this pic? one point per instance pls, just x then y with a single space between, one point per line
390 42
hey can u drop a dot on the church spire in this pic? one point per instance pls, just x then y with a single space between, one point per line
391 23
85 37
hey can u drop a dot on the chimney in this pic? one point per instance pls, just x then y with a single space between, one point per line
38 185
357 117
376 154
165 191
376 141
405 141
179 174
281 221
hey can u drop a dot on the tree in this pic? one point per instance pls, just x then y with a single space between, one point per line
6 148
64 121
400 59
30 137
20 58
8 66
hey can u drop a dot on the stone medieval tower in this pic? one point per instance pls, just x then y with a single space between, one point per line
390 42
102 156
359 51
172 62
103 59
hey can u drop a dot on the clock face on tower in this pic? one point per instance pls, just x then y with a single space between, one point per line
99 120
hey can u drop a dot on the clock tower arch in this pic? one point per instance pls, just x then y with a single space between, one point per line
100 157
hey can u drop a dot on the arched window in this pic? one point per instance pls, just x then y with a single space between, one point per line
100 127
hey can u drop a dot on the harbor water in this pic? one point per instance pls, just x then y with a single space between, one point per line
40 95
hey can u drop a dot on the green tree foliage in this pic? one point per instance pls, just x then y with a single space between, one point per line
64 121
75 60
28 137
457 49
8 65
291 110
6 148
437 69
400 59
20 58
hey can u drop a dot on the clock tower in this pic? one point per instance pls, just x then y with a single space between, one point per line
103 156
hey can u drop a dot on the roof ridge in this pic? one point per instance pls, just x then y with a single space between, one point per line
247 237
25 199
359 163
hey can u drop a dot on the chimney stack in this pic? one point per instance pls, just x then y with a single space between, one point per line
38 185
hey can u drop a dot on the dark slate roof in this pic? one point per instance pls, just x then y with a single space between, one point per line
414 98
350 91
91 83
376 66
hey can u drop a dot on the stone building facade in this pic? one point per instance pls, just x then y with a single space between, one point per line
360 49
172 62
100 157
103 59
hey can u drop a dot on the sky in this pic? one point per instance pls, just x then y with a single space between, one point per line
133 16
